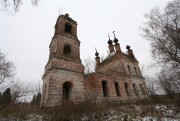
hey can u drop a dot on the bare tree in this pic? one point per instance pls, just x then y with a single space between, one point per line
89 65
19 91
14 5
163 31
168 82
6 68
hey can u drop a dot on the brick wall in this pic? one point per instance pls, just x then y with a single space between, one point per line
54 93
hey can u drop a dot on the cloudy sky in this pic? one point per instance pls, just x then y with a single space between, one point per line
26 35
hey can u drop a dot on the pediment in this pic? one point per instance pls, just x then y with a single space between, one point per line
117 66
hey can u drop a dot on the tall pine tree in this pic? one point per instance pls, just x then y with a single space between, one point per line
5 98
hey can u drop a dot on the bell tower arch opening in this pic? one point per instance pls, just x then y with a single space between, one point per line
67 50
68 28
67 90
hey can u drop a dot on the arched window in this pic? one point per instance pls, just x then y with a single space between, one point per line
126 88
68 28
67 50
104 87
45 88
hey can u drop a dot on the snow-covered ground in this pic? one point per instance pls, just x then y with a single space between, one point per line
121 113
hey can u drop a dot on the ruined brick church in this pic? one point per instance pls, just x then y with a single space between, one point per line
117 78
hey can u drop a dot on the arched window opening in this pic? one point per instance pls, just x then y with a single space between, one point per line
104 87
129 69
67 50
117 89
135 70
126 88
135 90
67 87
142 89
45 88
68 28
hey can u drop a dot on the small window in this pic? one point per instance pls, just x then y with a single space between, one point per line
135 70
45 88
126 88
117 89
142 89
104 87
135 91
129 69
67 50
68 28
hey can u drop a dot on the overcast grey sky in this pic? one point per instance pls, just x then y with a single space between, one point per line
26 35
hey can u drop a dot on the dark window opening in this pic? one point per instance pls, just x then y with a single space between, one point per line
135 70
117 89
142 89
129 69
126 88
68 28
104 87
66 90
67 50
45 88
135 91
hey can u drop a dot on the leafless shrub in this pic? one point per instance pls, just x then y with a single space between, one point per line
6 68
169 83
69 111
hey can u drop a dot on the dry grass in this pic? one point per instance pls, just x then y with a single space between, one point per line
20 110
76 112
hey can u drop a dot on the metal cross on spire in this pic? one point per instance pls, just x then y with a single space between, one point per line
115 39
114 34
108 36
96 54
110 41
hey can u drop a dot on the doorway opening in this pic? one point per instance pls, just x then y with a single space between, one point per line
67 88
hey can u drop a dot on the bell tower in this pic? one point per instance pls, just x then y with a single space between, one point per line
63 79
65 44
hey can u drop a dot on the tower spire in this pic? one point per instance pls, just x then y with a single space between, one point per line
97 57
115 39
109 41
116 45
96 54
111 46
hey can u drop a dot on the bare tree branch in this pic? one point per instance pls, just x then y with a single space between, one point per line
14 5
162 29
89 65
6 68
